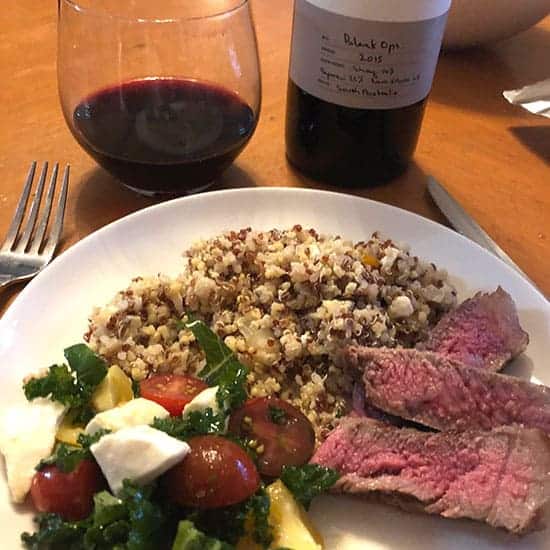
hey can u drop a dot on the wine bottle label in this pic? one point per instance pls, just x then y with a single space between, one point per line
356 54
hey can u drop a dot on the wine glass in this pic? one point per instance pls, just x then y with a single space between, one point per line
163 95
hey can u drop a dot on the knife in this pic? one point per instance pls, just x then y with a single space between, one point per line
465 224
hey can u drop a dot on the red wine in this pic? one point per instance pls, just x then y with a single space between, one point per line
164 135
346 146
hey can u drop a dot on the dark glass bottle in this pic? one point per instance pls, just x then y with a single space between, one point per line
346 146
359 79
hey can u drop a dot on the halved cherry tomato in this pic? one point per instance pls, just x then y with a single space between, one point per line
172 391
284 436
68 494
215 473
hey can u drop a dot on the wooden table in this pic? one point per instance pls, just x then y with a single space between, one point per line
492 157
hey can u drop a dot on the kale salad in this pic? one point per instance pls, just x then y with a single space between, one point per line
174 461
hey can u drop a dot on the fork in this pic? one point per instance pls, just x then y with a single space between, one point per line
26 251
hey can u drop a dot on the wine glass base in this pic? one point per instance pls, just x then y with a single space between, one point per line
168 194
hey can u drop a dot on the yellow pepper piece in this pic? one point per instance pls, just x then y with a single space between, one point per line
291 526
68 433
115 389
367 259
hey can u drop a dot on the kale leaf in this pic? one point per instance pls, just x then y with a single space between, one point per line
107 509
82 414
277 415
58 383
87 440
189 537
146 519
258 507
133 521
55 534
71 385
194 423
68 457
90 368
226 524
222 368
231 522
65 457
307 481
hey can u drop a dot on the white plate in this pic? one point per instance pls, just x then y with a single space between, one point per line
51 313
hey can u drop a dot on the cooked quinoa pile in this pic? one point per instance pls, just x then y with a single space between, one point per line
286 301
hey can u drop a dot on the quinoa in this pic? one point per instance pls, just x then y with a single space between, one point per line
286 302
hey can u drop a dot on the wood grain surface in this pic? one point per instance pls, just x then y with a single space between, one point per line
493 157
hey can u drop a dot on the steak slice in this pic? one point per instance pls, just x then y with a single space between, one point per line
362 408
441 393
500 477
483 331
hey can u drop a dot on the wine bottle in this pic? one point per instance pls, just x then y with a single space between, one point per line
360 73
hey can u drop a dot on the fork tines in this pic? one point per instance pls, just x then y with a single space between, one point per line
31 239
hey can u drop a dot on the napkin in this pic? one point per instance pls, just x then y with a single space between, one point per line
535 97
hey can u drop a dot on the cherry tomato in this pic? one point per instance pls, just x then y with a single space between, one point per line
284 436
216 472
68 494
172 391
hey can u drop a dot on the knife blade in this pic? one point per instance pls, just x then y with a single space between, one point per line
467 226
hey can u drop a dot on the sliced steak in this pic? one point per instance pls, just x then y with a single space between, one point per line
433 390
362 408
483 331
500 477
